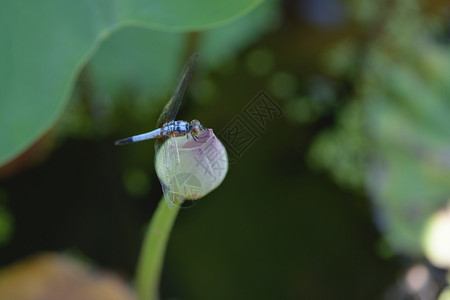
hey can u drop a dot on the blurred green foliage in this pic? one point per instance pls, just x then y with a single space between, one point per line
383 85
392 138
342 150
389 138
44 45
137 66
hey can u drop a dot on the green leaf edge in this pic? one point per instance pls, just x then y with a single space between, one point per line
162 27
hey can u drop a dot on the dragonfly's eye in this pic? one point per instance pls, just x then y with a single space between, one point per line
195 130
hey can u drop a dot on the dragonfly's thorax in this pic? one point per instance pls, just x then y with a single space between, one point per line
176 128
181 128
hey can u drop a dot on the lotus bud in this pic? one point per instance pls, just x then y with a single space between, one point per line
192 167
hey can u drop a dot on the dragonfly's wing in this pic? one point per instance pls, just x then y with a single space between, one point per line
171 165
170 111
181 172
207 164
171 153
159 142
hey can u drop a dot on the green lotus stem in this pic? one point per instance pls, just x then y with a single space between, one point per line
151 258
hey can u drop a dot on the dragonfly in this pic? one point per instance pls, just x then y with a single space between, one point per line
168 127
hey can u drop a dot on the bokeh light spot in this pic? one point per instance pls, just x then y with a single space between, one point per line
299 110
417 277
436 241
283 85
259 62
204 91
445 295
136 182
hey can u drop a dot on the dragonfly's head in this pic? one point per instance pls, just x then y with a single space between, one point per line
196 127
